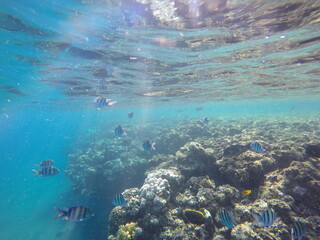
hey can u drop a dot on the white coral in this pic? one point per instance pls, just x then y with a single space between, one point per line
157 184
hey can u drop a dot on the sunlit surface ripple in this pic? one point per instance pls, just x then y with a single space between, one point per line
231 51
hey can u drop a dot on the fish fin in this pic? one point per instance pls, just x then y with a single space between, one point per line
233 219
248 147
112 103
36 172
152 146
256 219
61 213
277 219
37 165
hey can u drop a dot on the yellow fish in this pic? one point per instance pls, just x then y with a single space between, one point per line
246 192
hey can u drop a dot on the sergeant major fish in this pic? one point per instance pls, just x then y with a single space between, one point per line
45 163
75 214
226 218
256 147
119 200
102 102
266 219
298 230
148 146
119 131
47 171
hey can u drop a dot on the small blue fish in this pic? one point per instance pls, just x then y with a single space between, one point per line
256 147
119 200
148 146
298 230
266 219
102 102
130 115
204 120
226 218
75 214
45 163
119 131
47 171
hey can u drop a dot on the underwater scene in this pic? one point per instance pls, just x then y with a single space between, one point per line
160 120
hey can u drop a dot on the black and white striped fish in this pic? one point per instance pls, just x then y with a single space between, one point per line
298 230
266 219
148 146
102 102
226 218
119 200
75 214
119 131
256 147
47 171
45 163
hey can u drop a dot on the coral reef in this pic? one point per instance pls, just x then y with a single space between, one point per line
189 172
127 232
104 163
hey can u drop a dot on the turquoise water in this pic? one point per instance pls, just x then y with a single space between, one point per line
241 60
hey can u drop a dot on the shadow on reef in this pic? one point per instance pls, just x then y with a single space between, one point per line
106 167
197 178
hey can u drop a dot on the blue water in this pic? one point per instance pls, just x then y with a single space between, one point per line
57 56
29 136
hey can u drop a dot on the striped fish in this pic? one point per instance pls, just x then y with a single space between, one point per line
266 219
102 102
47 171
298 230
75 214
148 146
119 131
256 147
45 163
119 200
226 218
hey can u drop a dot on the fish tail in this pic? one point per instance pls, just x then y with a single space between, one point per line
61 213
233 219
256 220
153 146
36 172
112 103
